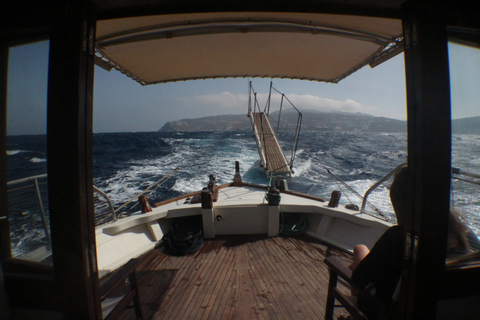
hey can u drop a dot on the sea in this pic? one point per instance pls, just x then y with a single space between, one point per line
127 163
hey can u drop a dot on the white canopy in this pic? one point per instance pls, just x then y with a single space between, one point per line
322 47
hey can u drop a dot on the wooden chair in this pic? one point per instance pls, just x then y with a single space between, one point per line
113 307
347 301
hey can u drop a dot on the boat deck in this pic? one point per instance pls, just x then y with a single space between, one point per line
273 157
237 277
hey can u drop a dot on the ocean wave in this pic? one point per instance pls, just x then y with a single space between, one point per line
189 185
475 162
356 158
301 167
126 164
14 152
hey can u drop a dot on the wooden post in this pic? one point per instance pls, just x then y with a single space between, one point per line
207 213
5 251
334 199
207 201
69 151
237 178
143 200
429 154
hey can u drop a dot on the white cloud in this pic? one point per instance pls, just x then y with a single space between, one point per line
224 100
305 102
238 102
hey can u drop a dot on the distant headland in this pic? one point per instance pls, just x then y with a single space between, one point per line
313 121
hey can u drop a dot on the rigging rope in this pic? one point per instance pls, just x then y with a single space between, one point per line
158 183
378 211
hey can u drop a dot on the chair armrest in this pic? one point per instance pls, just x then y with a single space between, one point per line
118 278
339 268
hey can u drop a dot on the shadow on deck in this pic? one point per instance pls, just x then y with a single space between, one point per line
237 277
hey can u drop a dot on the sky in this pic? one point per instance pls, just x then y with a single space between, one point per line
200 98
123 105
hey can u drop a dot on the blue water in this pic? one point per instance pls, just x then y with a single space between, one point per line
127 163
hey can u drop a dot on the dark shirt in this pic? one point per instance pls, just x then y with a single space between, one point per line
381 269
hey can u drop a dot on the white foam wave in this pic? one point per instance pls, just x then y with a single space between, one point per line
301 167
195 160
475 162
14 152
189 185
124 185
37 160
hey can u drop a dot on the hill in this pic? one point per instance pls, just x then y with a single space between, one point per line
313 121
466 125
213 123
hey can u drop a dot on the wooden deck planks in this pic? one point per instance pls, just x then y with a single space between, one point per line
237 277
278 290
293 273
